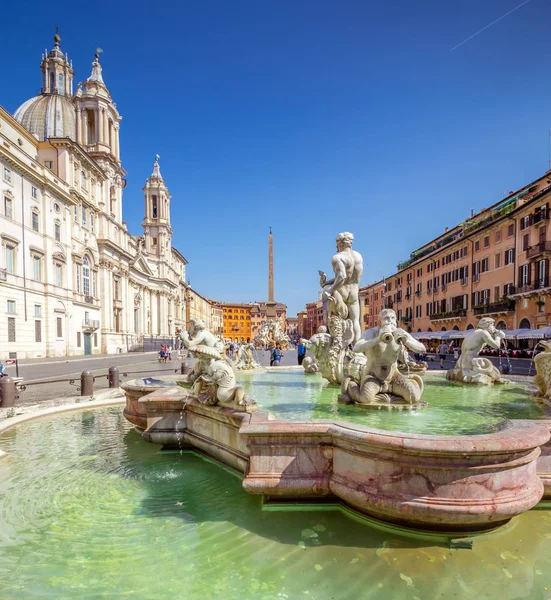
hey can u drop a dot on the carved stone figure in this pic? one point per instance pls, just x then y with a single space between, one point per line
320 346
407 364
543 370
343 307
381 382
271 334
470 368
310 365
217 384
245 358
199 335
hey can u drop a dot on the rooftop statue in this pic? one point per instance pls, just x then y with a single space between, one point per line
381 383
470 368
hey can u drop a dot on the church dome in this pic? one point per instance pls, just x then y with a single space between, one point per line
48 115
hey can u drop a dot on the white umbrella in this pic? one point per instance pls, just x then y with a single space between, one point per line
534 334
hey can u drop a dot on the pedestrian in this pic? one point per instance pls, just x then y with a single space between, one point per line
301 352
442 351
169 352
456 353
276 356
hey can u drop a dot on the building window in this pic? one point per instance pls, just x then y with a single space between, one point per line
497 260
115 289
57 231
38 331
11 307
510 256
10 259
78 339
92 223
7 175
484 265
154 242
36 268
37 310
94 278
75 213
77 278
154 206
34 220
511 230
525 242
498 236
58 267
11 329
477 246
8 207
59 328
49 164
83 216
86 275
83 180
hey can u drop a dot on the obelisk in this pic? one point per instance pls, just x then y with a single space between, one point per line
271 304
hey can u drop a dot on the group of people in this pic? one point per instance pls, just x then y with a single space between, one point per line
165 353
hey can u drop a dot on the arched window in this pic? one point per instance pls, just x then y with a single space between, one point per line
524 324
86 275
501 325
52 82
456 328
443 329
470 327
60 80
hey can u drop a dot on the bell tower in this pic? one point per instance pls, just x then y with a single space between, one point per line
156 221
98 125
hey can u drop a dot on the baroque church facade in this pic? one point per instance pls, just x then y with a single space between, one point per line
73 280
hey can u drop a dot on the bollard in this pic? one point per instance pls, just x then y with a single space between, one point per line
113 377
185 368
86 383
8 392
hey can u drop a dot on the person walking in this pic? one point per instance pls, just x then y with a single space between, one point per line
301 351
442 351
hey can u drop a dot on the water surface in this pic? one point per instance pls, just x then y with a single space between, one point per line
454 408
88 509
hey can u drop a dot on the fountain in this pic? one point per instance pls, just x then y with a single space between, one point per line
490 464
470 368
477 458
245 359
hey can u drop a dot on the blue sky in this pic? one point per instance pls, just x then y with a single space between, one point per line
312 117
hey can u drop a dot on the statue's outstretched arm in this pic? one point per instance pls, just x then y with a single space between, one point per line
414 345
365 345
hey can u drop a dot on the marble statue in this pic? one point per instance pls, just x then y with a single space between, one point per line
543 370
199 335
310 365
343 311
470 368
245 358
217 384
407 364
320 345
271 334
380 381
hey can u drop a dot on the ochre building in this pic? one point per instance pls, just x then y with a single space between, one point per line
496 263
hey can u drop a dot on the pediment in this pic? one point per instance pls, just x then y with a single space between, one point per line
140 264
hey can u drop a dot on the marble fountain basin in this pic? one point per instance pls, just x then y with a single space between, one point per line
302 446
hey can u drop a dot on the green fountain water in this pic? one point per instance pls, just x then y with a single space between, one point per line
454 409
91 510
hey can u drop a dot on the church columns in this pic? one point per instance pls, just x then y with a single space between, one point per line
78 127
116 135
84 132
105 126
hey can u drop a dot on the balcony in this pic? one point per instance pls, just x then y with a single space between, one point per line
3 274
531 288
406 319
89 299
408 296
500 307
90 325
452 315
388 304
543 248
540 216
418 293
